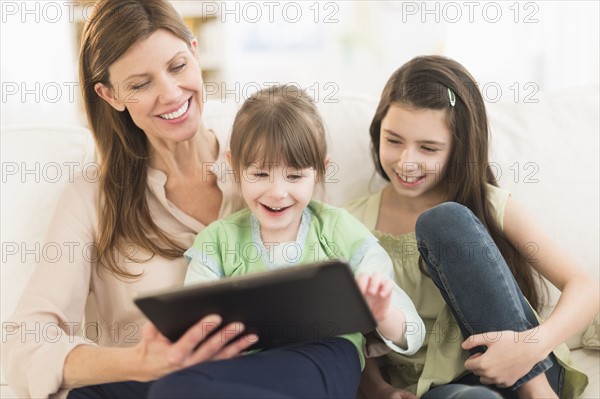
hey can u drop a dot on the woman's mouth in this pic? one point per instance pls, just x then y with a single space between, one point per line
178 113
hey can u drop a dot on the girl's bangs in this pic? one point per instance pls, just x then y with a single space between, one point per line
277 142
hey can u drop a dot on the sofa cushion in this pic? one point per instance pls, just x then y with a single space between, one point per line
36 162
546 154
591 338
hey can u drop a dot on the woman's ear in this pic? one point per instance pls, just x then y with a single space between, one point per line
108 95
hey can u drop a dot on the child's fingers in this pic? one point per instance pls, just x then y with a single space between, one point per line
375 283
386 288
363 281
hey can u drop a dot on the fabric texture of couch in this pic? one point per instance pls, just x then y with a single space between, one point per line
545 153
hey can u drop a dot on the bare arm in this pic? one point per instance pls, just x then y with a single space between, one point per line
579 289
155 355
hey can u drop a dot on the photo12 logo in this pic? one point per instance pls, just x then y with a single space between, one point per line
239 92
469 11
270 11
46 11
47 92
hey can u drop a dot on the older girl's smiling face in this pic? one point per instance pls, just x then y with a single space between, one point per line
159 82
415 145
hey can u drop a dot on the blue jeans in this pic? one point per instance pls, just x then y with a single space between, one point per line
478 287
329 369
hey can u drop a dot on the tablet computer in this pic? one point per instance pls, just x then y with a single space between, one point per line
296 304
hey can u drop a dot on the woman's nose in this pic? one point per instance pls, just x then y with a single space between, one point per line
169 90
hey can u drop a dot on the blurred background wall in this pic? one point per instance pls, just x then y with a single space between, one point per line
515 49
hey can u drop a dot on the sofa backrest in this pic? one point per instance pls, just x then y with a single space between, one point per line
546 154
36 162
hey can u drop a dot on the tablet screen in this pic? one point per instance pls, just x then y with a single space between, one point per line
296 304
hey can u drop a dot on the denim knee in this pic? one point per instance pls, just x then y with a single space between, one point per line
460 391
477 392
443 228
435 222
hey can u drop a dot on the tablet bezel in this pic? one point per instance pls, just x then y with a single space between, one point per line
300 303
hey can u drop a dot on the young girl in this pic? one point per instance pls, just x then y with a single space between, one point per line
278 154
474 284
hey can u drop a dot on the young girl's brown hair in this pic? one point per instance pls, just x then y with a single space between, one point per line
279 125
424 83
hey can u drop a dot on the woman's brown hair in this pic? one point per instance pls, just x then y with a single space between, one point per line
124 217
423 83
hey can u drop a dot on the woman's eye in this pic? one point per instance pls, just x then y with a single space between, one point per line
138 87
179 67
429 149
392 141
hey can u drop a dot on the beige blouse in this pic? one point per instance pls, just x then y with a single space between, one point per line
48 322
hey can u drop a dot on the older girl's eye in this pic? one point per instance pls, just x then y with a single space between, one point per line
430 149
393 141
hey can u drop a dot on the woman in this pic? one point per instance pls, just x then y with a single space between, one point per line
142 90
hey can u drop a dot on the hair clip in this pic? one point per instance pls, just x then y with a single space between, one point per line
452 97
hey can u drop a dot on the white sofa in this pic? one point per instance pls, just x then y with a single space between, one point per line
546 153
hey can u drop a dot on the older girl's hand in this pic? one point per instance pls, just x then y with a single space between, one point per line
159 356
509 355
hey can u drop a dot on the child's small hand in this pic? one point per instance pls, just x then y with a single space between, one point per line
377 291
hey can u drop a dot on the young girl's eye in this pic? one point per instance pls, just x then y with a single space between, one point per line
261 174
294 177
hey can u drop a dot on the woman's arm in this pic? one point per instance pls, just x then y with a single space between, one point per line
47 322
43 348
154 356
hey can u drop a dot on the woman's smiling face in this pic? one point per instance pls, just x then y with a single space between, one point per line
159 82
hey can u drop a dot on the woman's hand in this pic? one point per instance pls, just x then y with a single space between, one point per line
509 355
159 356
377 292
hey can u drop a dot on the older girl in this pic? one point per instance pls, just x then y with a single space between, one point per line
474 283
